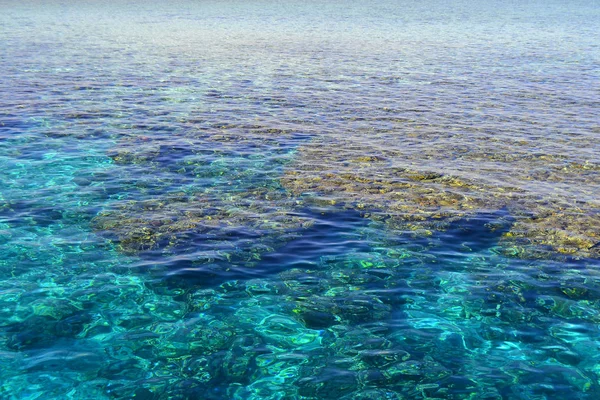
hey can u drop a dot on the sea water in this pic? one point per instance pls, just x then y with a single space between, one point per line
299 200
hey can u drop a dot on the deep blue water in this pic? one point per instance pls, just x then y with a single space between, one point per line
298 200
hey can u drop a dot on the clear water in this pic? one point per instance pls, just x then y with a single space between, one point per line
298 200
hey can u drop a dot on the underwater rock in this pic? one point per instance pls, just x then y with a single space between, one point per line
328 384
343 306
403 371
129 369
384 358
351 342
203 339
568 357
288 333
236 364
302 282
163 308
373 394
257 287
315 319
134 150
41 329
424 371
55 308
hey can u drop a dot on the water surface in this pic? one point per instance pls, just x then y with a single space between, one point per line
292 200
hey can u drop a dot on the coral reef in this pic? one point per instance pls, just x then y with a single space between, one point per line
178 220
424 182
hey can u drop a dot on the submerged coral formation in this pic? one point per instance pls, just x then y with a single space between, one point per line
211 221
568 230
424 182
216 198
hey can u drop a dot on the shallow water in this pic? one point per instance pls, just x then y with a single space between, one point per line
267 200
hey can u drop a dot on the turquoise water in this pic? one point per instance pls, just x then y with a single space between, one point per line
296 200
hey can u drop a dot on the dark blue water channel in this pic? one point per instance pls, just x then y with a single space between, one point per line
298 200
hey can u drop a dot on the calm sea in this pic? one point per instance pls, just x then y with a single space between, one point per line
281 200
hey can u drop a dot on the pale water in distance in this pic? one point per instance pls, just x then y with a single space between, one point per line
299 200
